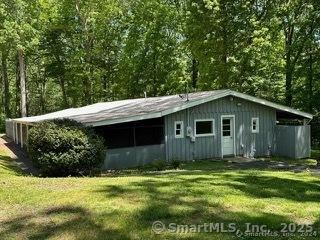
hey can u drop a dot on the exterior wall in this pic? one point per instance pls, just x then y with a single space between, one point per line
13 131
303 141
133 156
293 141
9 129
210 147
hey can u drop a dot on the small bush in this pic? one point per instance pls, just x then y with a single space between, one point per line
65 147
159 165
2 123
175 164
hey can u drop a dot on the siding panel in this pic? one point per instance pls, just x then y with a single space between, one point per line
210 147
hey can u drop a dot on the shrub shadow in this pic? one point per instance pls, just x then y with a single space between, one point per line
62 222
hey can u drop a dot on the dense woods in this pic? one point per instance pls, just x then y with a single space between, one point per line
57 54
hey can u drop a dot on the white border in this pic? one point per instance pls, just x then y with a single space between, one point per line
175 129
205 134
257 125
234 133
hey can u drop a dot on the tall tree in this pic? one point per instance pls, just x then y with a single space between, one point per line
19 27
297 20
6 89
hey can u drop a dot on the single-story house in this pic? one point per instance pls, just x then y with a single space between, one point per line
202 125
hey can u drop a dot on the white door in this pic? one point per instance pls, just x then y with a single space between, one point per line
227 136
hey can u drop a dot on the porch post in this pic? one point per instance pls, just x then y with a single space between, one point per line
17 139
13 132
21 137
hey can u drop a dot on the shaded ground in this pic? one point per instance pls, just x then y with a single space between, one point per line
19 156
125 206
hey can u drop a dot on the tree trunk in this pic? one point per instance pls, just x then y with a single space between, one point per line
42 97
289 76
155 79
195 72
224 74
6 101
17 95
23 100
64 93
289 65
310 81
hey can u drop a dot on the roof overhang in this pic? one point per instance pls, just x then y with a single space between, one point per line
185 105
202 101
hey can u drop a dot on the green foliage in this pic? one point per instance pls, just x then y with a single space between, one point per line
2 123
82 52
64 147
315 132
175 163
158 165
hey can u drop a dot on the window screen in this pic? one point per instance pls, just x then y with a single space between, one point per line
149 135
119 138
138 133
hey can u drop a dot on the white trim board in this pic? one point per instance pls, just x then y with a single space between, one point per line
234 133
205 134
181 135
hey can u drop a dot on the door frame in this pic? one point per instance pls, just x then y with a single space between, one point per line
233 117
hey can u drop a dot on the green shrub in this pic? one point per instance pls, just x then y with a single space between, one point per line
159 165
175 163
2 123
65 147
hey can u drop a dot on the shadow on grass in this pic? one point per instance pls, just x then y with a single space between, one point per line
275 187
21 157
8 165
67 222
186 199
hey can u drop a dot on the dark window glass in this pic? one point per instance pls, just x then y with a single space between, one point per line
226 133
149 136
119 138
147 132
226 121
254 124
204 127
226 127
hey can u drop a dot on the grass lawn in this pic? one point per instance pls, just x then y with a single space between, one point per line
125 206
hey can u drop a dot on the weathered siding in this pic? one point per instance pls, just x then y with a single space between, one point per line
303 141
210 147
133 156
293 141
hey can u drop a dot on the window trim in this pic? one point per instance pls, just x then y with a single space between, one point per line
181 135
257 125
204 134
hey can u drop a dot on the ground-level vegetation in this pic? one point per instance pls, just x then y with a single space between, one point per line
124 205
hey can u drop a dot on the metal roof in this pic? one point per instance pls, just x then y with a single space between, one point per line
145 108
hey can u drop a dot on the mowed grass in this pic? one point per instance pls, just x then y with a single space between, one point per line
125 206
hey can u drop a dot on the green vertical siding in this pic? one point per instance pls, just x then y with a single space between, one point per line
210 147
293 141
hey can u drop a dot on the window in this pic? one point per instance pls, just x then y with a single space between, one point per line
149 135
178 129
118 137
131 134
204 127
255 125
226 127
